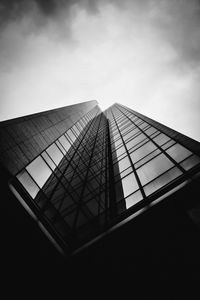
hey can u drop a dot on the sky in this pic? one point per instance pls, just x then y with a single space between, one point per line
144 54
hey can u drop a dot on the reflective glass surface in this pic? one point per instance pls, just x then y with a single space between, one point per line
147 158
142 151
124 164
135 141
150 131
71 135
39 170
127 171
55 153
133 199
178 152
162 180
154 168
48 160
190 162
65 143
78 173
161 139
28 183
120 151
129 184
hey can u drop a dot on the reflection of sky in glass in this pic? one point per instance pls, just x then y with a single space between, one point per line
162 180
178 152
71 135
133 199
150 131
161 139
124 164
118 142
39 170
146 158
48 160
28 183
129 184
120 151
168 144
135 141
190 162
142 151
55 153
154 168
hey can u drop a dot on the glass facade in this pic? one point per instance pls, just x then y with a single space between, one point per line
101 169
148 159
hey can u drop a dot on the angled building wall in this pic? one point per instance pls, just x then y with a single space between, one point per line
150 158
95 171
24 138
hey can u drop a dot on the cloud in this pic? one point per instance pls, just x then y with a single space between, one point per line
144 54
179 22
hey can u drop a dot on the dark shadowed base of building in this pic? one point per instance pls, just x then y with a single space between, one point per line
155 255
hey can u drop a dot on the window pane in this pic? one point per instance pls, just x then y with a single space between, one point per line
124 128
162 180
133 199
71 135
48 160
55 153
65 143
131 128
117 143
135 141
129 184
142 151
124 164
39 170
116 136
150 130
178 152
155 134
126 172
28 183
137 121
168 144
147 158
76 130
143 125
60 147
128 135
154 168
120 151
190 162
161 139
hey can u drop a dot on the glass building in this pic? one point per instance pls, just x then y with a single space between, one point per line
82 173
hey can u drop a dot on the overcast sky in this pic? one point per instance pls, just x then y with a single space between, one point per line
142 53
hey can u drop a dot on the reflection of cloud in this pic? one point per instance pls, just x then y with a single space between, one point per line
144 54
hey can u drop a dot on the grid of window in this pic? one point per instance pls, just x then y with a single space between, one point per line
100 167
144 158
68 180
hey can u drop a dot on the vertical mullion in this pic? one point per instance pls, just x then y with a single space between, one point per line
132 165
159 147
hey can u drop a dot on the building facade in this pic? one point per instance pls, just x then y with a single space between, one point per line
82 173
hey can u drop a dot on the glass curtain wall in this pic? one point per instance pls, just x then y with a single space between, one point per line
101 170
145 159
68 181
